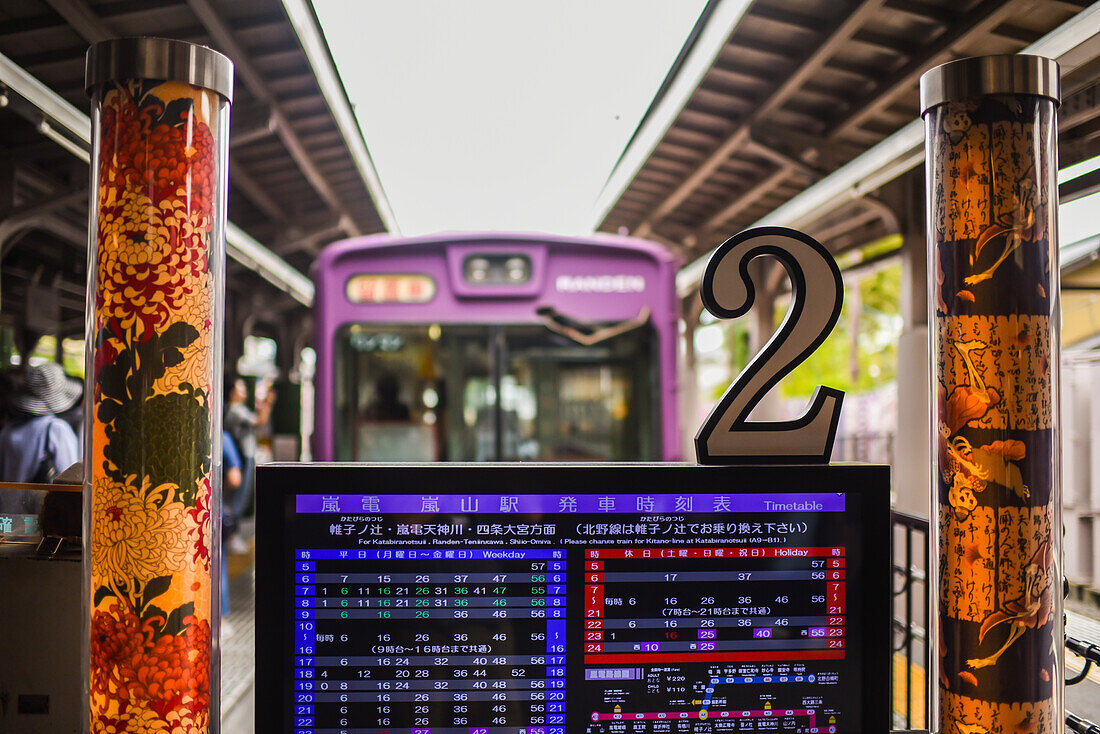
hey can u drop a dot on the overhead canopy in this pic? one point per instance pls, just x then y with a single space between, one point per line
295 183
800 90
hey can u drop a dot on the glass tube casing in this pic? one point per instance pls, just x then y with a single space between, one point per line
991 140
160 134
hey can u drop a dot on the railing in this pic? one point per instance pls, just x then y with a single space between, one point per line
874 448
911 648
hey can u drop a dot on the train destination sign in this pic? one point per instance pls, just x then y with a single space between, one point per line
605 599
390 288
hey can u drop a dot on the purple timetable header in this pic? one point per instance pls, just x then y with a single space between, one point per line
549 504
476 554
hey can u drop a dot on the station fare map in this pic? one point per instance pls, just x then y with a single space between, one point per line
547 614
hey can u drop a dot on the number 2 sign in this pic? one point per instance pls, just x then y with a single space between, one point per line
817 293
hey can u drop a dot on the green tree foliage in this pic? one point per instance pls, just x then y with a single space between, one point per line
878 329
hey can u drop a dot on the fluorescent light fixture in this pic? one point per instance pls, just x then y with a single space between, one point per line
59 113
1077 170
53 105
272 268
66 143
309 35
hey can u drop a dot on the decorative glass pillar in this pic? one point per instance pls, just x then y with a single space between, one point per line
160 127
994 301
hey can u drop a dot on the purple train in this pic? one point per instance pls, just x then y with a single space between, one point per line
496 347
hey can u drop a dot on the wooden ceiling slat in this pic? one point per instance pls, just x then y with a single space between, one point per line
892 43
736 81
923 10
978 21
755 192
1023 36
838 34
786 16
258 83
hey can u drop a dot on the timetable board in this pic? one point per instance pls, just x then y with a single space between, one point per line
604 599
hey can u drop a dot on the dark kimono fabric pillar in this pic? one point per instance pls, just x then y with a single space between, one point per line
993 281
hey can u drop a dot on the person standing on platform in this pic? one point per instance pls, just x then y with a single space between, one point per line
231 480
242 424
36 445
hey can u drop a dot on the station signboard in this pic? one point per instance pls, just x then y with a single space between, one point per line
556 599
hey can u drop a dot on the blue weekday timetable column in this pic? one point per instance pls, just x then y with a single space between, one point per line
305 637
555 645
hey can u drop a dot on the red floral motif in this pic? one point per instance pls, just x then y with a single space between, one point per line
132 662
114 645
200 514
105 354
173 668
161 158
156 189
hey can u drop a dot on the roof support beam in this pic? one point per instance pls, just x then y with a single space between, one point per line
250 124
48 223
845 27
845 226
750 197
310 241
239 244
93 29
981 20
83 20
902 151
332 89
31 215
252 78
781 156
255 192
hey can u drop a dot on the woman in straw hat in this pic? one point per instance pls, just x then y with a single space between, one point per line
36 445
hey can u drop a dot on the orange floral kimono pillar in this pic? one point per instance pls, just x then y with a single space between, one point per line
993 271
160 121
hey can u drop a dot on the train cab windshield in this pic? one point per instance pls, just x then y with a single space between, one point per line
520 392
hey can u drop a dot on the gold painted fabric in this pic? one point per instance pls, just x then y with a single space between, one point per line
991 169
152 381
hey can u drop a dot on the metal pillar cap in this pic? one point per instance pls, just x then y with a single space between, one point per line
158 58
980 75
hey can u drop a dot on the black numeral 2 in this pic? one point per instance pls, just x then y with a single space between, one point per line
817 293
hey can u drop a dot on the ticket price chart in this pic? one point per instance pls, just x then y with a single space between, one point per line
555 614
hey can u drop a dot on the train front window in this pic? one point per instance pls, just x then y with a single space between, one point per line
486 393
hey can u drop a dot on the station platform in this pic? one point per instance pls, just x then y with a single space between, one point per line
1083 699
239 642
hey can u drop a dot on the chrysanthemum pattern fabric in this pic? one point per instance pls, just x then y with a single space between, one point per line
152 381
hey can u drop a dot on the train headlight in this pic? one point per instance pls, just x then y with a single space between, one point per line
515 268
497 269
477 270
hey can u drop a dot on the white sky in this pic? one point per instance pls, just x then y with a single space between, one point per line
500 114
